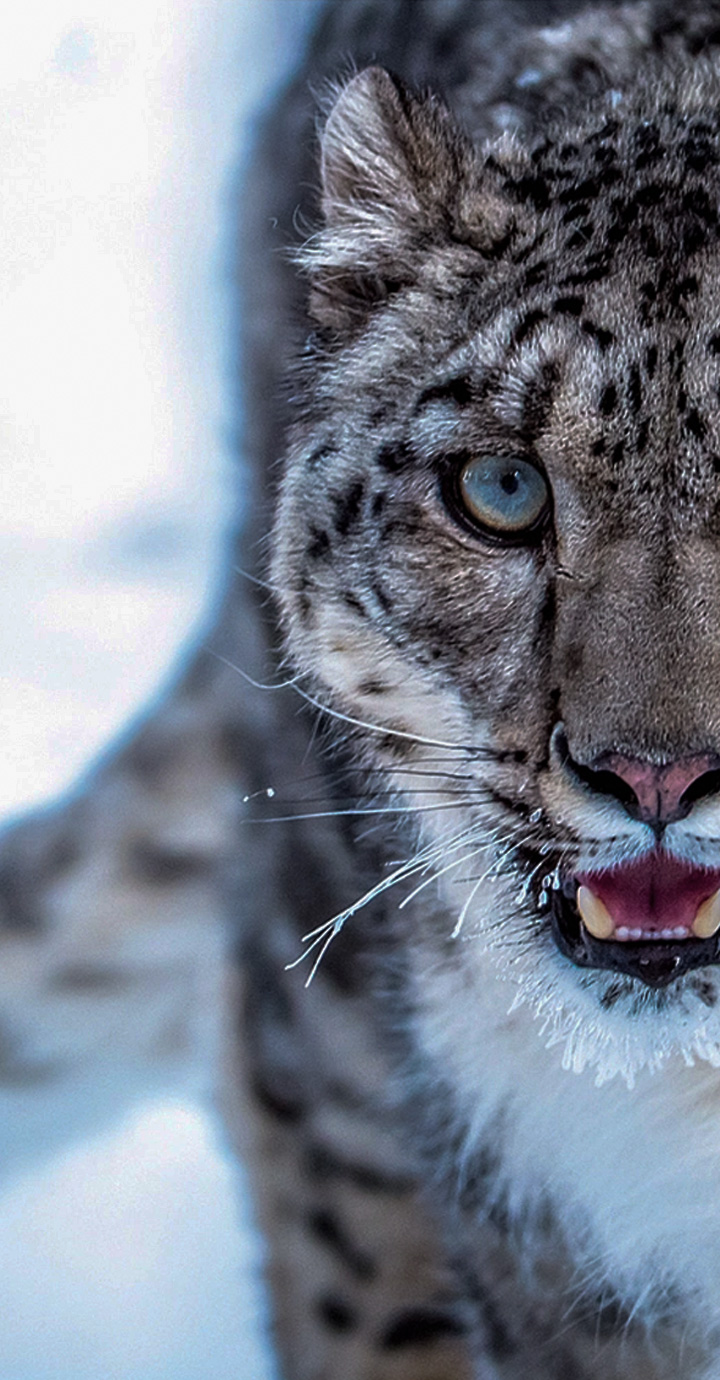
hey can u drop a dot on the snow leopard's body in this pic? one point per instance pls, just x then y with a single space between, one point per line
473 1157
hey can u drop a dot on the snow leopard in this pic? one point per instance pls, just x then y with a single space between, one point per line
449 762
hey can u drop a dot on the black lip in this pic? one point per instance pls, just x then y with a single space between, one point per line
657 965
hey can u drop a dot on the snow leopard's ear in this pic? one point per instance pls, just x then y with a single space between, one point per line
398 177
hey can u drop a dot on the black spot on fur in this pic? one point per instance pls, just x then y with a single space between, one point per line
651 359
608 400
304 603
525 327
421 1327
323 1165
569 306
618 454
284 1107
634 388
347 507
598 333
394 456
705 991
326 1227
533 189
713 345
594 272
588 190
371 687
579 237
641 439
352 602
378 503
695 425
392 746
497 248
651 194
406 526
384 600
319 547
381 414
699 154
537 273
538 401
336 1314
612 995
688 287
576 213
457 390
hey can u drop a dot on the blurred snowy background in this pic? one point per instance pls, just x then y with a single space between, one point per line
125 1250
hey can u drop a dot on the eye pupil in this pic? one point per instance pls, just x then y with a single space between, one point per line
502 495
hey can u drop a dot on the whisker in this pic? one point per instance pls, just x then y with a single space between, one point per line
254 579
459 793
461 918
361 810
257 684
324 934
378 728
436 875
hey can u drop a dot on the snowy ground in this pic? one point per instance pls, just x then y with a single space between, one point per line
124 1251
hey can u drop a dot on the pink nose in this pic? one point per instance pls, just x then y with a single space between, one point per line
659 791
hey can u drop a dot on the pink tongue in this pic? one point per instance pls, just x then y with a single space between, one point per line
655 893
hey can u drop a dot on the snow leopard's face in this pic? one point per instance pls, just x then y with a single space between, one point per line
499 535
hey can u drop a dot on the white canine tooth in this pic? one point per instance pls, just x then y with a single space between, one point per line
707 920
594 913
622 932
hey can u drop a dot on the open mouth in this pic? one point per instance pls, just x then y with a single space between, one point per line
653 919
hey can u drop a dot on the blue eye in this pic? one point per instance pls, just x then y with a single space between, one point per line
506 495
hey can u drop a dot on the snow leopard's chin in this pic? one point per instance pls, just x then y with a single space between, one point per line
617 1027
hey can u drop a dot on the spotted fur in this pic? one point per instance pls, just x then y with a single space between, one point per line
472 1159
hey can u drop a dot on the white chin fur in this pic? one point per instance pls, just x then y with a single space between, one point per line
642 1029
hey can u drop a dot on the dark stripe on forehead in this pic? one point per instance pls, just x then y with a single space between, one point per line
394 456
457 390
347 507
538 399
598 333
527 325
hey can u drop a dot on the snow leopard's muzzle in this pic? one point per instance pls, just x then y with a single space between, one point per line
644 900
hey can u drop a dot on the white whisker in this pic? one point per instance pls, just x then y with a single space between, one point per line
257 684
385 732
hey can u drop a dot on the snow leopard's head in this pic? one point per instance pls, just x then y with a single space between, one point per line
498 545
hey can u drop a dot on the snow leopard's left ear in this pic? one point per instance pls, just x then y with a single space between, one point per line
398 176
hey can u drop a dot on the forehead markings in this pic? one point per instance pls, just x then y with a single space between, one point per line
394 456
346 507
458 390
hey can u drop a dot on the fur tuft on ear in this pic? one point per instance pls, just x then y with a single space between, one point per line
398 176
